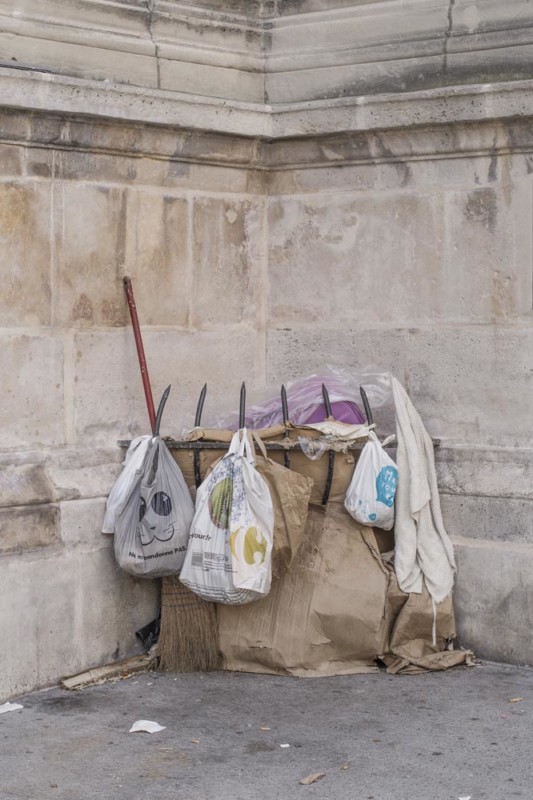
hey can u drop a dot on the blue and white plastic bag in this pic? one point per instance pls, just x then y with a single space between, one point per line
370 496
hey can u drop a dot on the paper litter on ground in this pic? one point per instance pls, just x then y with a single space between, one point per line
312 778
10 707
146 726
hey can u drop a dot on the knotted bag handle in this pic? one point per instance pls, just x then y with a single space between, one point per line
242 445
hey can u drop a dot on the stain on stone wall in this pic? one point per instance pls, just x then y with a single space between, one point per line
481 207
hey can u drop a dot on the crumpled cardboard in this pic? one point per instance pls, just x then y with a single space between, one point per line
324 617
299 462
337 611
409 647
290 493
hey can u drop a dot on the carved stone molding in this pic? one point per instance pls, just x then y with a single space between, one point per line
272 52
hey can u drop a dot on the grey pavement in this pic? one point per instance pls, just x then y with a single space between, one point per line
439 736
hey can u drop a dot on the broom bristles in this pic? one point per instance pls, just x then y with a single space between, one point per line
188 641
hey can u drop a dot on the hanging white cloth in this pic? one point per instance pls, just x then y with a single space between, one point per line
423 549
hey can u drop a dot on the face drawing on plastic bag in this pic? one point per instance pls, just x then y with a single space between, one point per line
386 483
150 519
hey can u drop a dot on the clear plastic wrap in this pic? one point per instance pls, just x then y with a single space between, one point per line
305 400
313 448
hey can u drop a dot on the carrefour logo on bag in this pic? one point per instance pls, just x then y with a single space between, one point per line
386 483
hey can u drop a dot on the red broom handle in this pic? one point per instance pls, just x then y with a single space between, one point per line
140 352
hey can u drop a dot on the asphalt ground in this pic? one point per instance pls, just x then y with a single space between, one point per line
465 733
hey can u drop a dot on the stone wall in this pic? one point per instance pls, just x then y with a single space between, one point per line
422 264
293 224
73 220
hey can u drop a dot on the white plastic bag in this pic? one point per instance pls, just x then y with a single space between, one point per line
228 558
371 493
123 486
152 528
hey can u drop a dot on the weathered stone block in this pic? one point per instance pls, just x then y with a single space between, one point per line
109 399
324 263
499 519
129 18
113 606
28 528
494 600
91 56
452 256
473 384
212 81
89 163
11 160
31 414
363 49
177 174
65 614
39 162
227 261
482 271
362 177
25 253
14 125
84 472
156 256
91 223
40 620
25 484
237 42
302 351
81 524
498 472
108 395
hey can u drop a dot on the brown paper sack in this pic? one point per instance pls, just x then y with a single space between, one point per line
324 617
409 648
290 493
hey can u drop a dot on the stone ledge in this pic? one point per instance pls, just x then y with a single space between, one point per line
43 91
31 478
25 484
29 90
77 133
161 44
494 519
485 472
267 52
450 105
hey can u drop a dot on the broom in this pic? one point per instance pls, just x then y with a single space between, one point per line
188 638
